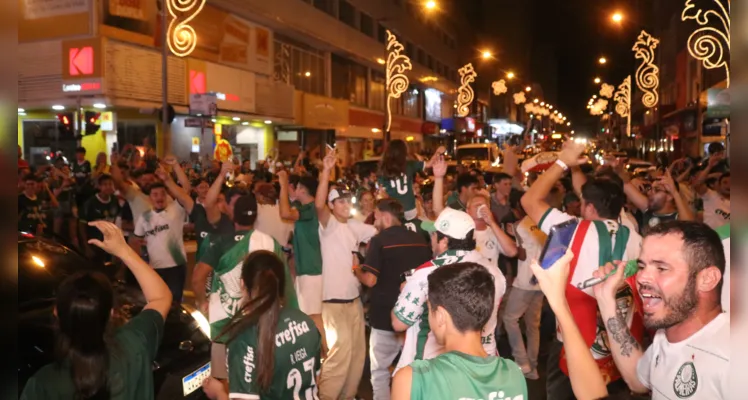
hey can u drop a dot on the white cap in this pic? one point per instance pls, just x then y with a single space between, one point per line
453 223
337 194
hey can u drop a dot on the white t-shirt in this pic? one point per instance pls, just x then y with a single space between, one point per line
269 221
488 245
716 209
338 241
588 260
695 368
163 235
629 221
726 277
532 239
412 305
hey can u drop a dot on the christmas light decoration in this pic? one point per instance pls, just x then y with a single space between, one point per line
181 36
648 74
465 93
499 87
623 102
607 90
396 82
519 98
707 43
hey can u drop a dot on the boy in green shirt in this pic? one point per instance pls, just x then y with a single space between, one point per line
461 300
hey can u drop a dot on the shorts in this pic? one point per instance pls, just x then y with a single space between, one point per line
309 293
218 367
65 210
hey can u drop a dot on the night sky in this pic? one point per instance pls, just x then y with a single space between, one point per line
564 39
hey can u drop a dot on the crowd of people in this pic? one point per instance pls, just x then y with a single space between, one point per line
296 262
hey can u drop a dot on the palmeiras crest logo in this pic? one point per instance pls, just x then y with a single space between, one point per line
686 381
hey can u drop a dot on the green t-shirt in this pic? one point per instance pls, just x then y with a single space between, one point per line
226 256
297 360
130 364
456 375
307 253
401 188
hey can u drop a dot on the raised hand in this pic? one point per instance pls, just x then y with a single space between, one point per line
114 242
170 160
439 166
330 161
553 280
571 155
605 292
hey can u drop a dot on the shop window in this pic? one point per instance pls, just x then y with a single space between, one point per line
367 25
347 13
40 137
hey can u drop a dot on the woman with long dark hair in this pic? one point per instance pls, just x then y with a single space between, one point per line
397 174
273 351
93 363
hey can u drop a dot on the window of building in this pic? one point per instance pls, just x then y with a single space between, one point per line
430 62
348 80
409 50
327 6
421 56
347 13
306 68
378 96
412 104
367 25
381 34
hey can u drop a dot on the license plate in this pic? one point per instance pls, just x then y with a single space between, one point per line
194 381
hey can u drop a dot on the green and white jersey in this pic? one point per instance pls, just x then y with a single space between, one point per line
297 360
411 308
226 256
456 375
401 188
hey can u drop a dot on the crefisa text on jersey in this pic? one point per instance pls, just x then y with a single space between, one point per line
290 334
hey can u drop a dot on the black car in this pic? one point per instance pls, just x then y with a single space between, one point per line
43 264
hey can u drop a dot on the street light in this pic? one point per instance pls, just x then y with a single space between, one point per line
598 80
536 101
528 89
430 5
486 54
510 75
602 60
617 17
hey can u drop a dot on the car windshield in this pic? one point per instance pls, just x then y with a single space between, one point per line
473 154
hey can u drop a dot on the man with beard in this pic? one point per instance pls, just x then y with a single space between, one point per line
680 283
662 203
392 252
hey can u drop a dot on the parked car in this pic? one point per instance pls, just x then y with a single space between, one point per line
183 357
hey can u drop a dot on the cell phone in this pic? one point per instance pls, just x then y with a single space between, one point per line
558 243
329 148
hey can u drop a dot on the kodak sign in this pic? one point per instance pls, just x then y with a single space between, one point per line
82 59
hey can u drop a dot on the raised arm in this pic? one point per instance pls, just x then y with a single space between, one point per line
320 198
624 347
533 201
507 245
157 294
118 178
586 380
286 211
684 211
180 194
700 186
211 198
440 170
184 181
578 179
439 152
511 160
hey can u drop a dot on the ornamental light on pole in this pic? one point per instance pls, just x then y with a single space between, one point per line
623 102
465 93
647 75
396 82
617 17
182 38
710 43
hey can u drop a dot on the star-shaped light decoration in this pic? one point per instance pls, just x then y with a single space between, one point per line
519 98
607 90
499 87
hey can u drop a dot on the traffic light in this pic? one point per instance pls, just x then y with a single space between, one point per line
67 125
91 119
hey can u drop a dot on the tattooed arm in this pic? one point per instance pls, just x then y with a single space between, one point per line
625 349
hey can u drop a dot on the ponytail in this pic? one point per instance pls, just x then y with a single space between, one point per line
84 304
264 278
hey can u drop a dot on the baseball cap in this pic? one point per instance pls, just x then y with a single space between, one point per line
245 209
453 223
337 194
